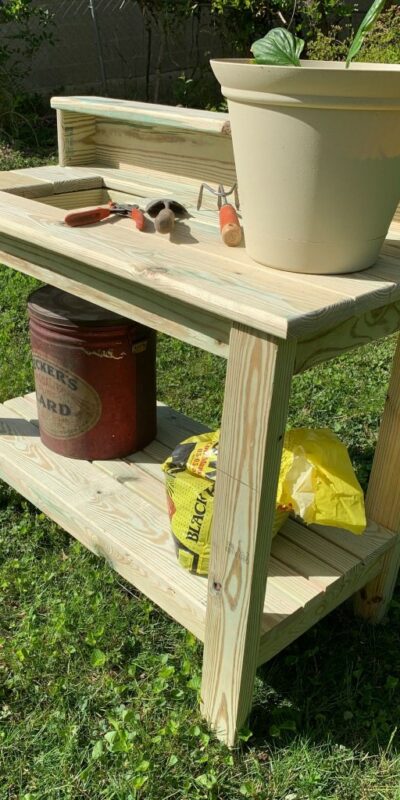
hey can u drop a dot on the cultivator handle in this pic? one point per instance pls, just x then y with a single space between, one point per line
231 232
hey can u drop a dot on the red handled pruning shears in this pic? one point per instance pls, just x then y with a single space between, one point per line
98 214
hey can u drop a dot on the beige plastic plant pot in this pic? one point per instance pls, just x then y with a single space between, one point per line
317 151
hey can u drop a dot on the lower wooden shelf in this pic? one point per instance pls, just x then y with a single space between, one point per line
118 510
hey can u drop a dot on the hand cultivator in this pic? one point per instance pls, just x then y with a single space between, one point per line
231 232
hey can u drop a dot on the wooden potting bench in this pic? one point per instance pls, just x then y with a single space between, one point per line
261 594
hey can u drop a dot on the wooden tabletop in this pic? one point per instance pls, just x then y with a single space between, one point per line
193 265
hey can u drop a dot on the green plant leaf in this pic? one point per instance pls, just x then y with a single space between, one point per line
366 25
207 780
245 734
97 751
117 742
139 781
98 658
143 766
279 47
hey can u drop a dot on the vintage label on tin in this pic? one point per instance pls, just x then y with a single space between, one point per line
67 405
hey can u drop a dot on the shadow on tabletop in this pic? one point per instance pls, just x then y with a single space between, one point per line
338 684
18 427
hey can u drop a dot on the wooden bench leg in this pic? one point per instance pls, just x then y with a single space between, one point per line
383 501
257 391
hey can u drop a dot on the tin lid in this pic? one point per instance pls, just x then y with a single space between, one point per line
53 305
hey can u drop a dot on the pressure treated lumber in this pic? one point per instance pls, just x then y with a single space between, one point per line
253 424
145 114
62 178
190 273
107 518
194 326
168 150
127 135
347 335
294 597
154 263
78 199
283 304
76 138
383 501
17 183
294 625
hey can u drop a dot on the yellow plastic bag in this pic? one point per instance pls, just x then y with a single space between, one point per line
317 480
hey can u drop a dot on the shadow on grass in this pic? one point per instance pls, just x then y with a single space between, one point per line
339 683
361 458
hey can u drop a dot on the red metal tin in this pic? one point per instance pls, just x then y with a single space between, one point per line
95 377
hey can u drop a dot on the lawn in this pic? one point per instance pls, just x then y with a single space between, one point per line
99 689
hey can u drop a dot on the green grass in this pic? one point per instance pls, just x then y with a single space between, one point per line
99 689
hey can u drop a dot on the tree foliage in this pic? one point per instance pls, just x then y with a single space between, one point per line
24 28
244 20
382 44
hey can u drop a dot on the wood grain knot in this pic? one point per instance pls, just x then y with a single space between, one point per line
233 585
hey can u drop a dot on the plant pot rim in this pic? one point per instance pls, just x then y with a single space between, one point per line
311 64
364 86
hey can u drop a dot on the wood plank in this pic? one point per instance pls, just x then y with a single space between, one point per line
64 179
172 150
76 138
375 540
127 473
311 542
317 572
282 303
110 520
143 183
253 423
289 580
19 184
354 557
383 501
77 199
148 114
290 627
192 325
133 472
347 335
181 273
360 291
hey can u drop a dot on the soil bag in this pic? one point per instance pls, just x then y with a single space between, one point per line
190 474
